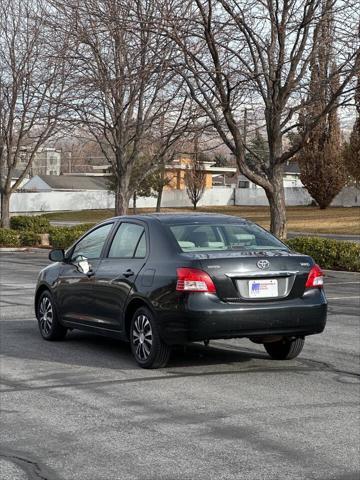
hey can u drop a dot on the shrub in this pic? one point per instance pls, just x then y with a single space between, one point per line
332 254
64 237
9 238
29 239
35 224
84 227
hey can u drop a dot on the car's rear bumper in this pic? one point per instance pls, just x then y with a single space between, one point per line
205 316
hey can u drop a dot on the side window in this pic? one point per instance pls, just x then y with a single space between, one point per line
91 245
126 240
141 248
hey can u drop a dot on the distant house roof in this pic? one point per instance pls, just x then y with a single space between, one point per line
67 182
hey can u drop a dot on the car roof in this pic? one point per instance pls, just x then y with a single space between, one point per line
181 218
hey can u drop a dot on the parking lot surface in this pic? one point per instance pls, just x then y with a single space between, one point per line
82 409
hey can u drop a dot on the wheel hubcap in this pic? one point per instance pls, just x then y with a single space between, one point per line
46 315
142 337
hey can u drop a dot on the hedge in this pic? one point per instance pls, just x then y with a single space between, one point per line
29 239
331 254
35 224
64 237
9 238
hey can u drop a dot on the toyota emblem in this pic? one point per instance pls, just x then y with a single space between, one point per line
263 264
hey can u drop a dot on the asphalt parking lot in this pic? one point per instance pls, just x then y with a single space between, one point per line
82 409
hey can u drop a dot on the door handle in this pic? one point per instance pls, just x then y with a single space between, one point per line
128 273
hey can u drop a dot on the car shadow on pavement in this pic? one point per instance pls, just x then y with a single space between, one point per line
196 354
21 339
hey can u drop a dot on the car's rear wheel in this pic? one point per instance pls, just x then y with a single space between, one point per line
146 345
49 325
285 349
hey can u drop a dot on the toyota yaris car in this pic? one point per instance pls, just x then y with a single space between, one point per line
164 280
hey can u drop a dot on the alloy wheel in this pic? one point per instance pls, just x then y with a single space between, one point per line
46 315
142 337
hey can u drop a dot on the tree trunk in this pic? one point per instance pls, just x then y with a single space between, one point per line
5 209
159 198
122 196
276 198
134 203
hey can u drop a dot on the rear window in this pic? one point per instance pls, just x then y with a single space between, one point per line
202 238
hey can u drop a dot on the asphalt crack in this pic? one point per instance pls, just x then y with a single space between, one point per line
34 470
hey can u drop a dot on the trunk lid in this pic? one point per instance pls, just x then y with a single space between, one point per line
245 276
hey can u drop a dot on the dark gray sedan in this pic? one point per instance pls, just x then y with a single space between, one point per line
164 280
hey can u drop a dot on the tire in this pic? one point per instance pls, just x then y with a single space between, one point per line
146 345
285 349
48 320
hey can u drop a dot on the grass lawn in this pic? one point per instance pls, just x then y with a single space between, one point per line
300 219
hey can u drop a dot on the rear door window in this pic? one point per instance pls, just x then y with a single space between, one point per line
129 241
140 251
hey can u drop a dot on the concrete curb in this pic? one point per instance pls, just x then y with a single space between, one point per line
13 249
23 249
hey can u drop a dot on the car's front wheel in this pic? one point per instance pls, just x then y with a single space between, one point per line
285 349
49 325
146 345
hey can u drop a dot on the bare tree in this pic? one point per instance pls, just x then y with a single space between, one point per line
32 82
160 181
124 84
351 151
195 181
256 55
80 152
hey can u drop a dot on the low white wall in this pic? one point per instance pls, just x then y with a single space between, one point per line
28 202
36 202
256 196
178 198
31 202
296 196
348 197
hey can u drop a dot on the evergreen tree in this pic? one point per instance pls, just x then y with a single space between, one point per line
321 162
352 148
258 148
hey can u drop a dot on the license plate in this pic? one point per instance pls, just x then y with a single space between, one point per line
263 288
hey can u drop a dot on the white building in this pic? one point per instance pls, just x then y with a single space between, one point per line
47 161
291 178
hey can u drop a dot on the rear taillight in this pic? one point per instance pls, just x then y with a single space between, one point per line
193 280
315 278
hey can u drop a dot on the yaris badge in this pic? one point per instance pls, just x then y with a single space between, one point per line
263 264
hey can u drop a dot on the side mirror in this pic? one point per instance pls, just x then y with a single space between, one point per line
57 255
